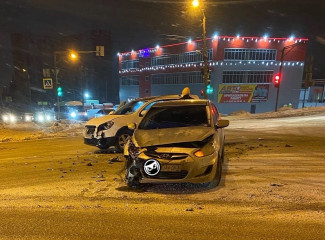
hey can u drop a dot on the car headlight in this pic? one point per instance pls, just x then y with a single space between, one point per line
5 118
28 118
12 118
40 118
106 126
73 114
207 149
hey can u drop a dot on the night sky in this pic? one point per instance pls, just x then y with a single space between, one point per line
137 24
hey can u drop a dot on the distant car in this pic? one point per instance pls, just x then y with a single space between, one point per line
44 116
177 141
112 130
103 112
10 117
27 117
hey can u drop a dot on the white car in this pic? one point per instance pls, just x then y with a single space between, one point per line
112 130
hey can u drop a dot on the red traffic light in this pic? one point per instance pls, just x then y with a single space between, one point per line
202 92
277 79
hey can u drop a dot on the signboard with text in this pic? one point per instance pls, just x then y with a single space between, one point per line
243 93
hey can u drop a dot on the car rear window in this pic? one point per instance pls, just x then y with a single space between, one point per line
174 116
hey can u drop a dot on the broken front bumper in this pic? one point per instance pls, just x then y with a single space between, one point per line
189 169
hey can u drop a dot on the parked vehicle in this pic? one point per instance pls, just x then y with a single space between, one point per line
177 141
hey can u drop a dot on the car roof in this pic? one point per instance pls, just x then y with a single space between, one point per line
175 96
182 102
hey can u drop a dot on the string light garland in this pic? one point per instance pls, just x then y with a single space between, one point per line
215 38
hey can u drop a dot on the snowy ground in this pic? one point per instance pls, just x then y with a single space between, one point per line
54 187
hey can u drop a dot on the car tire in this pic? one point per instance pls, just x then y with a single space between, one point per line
122 138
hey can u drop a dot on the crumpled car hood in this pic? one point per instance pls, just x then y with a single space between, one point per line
145 138
101 120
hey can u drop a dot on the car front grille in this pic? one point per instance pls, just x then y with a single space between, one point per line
167 156
170 175
90 130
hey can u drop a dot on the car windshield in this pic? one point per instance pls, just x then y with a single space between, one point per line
129 108
175 116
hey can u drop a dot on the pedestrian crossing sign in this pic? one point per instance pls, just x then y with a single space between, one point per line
47 83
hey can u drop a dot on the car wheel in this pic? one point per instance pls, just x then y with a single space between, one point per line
122 138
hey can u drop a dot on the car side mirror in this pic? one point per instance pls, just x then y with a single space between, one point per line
143 112
131 126
222 124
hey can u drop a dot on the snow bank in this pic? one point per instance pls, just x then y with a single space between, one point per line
30 131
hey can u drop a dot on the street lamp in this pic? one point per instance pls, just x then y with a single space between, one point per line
73 55
195 4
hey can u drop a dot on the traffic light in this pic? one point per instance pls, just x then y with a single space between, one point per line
209 89
277 79
202 92
59 90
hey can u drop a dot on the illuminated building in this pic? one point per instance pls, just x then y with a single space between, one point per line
241 71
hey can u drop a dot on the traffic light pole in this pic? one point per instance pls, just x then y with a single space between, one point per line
280 71
56 83
280 74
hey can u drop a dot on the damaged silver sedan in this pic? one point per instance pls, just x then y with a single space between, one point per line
177 141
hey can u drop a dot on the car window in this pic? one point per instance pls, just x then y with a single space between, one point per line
175 116
129 108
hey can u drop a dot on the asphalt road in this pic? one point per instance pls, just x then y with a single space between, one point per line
273 188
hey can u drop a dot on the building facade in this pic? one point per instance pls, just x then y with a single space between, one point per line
241 71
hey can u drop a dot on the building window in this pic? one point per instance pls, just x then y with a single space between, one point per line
250 54
129 80
177 78
147 64
187 57
147 91
247 76
130 64
147 78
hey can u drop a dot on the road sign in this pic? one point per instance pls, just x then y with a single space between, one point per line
47 83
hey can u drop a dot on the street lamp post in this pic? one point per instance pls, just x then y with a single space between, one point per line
206 80
74 56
